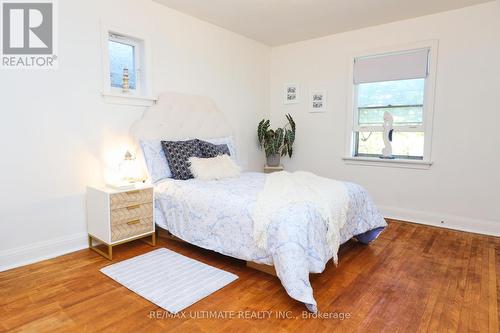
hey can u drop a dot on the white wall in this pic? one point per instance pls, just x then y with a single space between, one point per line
56 132
462 187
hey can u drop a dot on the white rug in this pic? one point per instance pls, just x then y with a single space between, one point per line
168 279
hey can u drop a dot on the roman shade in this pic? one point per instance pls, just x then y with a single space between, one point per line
406 65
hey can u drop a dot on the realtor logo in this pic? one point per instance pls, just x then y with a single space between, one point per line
28 32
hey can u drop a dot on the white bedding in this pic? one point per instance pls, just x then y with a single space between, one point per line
217 215
285 189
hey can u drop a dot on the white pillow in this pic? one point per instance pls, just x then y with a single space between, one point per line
218 167
156 161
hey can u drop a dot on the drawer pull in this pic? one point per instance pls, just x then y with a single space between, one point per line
132 192
133 222
133 207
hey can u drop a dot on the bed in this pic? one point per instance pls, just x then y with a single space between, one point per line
217 215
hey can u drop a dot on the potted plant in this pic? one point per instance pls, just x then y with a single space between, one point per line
277 142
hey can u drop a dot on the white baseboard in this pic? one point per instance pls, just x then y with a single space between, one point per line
39 251
485 227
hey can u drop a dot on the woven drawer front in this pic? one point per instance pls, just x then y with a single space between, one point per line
131 229
129 213
124 199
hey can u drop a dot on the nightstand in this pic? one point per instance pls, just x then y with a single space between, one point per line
119 216
269 169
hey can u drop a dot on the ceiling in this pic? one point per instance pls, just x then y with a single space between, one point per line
277 22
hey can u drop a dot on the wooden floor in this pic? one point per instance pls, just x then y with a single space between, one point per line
412 279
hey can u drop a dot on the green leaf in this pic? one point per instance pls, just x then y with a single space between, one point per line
291 122
280 136
260 132
289 138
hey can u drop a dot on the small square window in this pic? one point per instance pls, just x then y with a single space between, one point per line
125 51
123 57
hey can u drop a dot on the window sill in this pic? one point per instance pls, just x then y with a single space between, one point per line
126 99
396 163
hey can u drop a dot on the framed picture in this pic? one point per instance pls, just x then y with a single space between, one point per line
291 93
318 101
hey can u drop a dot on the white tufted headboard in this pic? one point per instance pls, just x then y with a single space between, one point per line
179 116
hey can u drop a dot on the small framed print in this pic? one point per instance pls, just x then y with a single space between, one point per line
291 93
318 101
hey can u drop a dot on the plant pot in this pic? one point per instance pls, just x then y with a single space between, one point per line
273 160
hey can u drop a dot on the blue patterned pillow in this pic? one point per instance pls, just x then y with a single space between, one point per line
177 154
228 140
209 150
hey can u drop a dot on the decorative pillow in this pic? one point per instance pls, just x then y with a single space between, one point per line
155 159
228 140
210 150
213 168
177 154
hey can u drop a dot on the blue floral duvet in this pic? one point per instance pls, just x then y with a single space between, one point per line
216 215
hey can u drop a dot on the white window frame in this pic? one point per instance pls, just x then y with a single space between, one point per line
142 95
352 125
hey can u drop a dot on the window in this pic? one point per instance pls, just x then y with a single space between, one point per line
124 55
394 82
404 99
126 49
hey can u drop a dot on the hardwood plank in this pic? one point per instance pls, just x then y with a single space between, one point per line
493 310
414 278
